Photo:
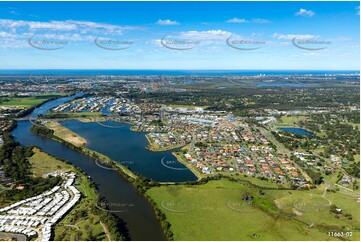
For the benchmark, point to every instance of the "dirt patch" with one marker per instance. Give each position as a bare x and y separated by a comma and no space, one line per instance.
298,213
67,134
278,204
76,140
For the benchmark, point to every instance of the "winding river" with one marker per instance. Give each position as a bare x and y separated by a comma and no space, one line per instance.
139,221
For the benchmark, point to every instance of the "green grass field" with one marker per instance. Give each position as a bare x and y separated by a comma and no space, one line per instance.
43,163
357,158
255,180
215,211
290,121
84,218
81,116
24,102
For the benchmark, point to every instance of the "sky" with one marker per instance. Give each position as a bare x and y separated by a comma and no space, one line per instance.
180,35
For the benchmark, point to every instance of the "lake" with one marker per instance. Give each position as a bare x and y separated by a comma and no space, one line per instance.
297,131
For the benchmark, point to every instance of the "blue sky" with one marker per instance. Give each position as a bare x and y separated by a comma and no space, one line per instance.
180,35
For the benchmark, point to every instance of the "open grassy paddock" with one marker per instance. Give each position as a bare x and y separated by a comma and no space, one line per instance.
290,121
66,134
215,211
43,163
24,102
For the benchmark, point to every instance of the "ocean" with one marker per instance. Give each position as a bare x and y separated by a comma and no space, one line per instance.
93,72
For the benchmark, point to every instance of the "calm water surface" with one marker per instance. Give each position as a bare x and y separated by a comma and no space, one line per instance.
139,222
297,131
128,147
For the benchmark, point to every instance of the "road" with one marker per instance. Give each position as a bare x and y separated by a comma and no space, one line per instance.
281,149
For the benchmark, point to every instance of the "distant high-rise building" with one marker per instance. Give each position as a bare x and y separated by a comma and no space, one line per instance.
161,113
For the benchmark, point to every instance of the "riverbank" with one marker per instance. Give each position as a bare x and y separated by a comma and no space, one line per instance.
104,159
84,221
101,158
141,184
180,158
167,197
81,116
138,222
66,134
155,148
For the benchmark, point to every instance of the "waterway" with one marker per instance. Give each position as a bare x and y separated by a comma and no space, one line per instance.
128,148
297,131
139,221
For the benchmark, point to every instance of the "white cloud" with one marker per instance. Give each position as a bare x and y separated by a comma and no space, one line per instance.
167,22
236,20
305,12
260,20
7,35
206,35
292,36
67,25
14,33
209,39
242,20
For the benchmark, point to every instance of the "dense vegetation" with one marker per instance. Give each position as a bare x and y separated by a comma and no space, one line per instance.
15,164
339,136
295,141
244,100
42,131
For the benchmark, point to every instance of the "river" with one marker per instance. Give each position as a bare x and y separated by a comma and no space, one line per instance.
139,221
128,147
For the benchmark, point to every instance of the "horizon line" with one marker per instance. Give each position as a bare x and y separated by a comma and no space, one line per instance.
182,69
